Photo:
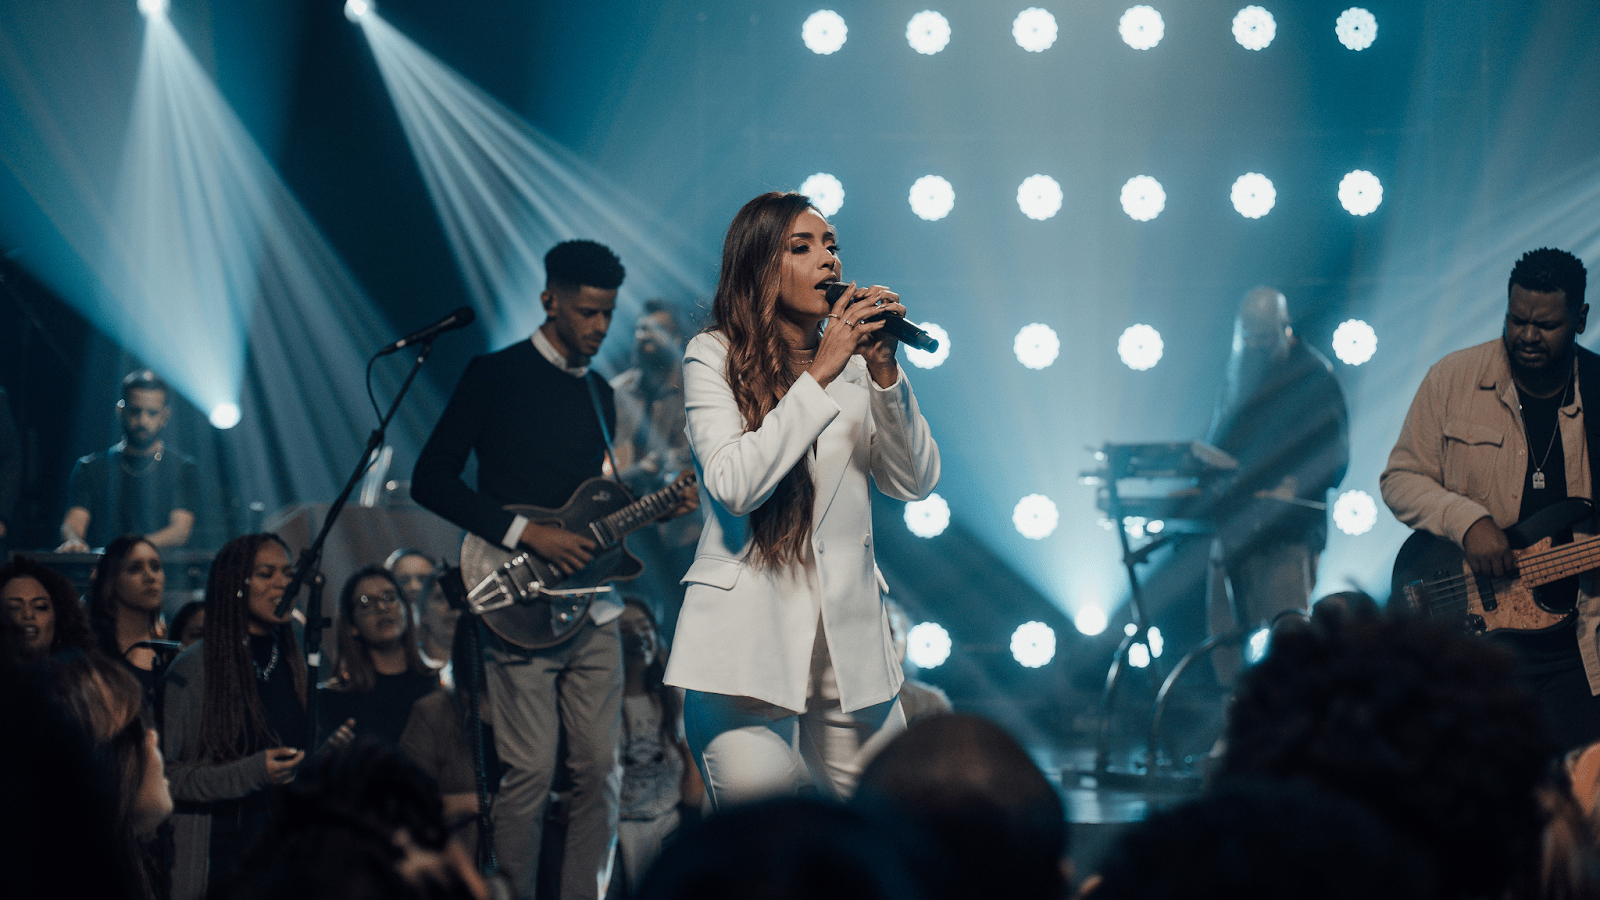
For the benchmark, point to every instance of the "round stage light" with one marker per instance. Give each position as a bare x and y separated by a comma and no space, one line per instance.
1090,620
1155,640
932,198
1140,347
922,359
1141,27
1138,655
1155,526
928,645
1360,192
1254,28
1253,195
1355,512
1356,28
1033,644
1256,646
1034,29
825,191
824,32
1354,342
1035,516
224,415
928,518
928,32
1134,526
1036,346
1130,629
1039,197
1142,198
153,9
355,9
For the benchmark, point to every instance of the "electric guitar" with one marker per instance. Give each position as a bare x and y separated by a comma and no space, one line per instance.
525,600
1431,575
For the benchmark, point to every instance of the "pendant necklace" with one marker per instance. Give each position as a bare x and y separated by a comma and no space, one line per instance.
1538,470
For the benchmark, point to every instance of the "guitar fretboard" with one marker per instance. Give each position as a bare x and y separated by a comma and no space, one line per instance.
641,512
1557,563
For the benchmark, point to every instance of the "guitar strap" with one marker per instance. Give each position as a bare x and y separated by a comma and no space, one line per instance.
605,430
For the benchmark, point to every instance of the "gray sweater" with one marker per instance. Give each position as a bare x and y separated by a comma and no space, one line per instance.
194,778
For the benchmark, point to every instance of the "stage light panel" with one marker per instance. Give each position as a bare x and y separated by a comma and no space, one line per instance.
224,416
1090,620
824,32
1035,517
1155,640
1143,198
928,645
1356,28
1033,644
1354,342
1138,656
922,359
1036,346
932,198
928,517
1254,28
1360,192
1253,195
1140,347
825,191
1141,27
1039,197
1034,29
1355,512
928,32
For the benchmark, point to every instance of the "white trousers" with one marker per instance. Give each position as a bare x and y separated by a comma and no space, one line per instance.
748,749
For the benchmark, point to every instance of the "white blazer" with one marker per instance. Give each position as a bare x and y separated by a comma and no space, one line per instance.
749,631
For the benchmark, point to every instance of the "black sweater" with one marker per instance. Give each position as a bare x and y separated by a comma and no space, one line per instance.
534,430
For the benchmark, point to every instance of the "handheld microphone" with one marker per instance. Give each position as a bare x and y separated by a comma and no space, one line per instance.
461,318
902,330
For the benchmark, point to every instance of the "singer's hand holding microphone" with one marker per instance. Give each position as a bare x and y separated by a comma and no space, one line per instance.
866,321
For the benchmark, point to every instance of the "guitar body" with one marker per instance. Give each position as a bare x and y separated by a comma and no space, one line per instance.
523,600
1431,575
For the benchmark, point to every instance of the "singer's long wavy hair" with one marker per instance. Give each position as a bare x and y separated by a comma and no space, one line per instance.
760,364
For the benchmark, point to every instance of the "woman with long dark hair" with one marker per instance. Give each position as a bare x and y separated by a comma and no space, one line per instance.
125,594
795,408
42,614
379,672
235,713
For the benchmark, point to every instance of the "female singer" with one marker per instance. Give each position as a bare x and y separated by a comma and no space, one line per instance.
792,405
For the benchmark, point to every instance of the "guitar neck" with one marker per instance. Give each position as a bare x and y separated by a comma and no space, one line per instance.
1560,562
641,512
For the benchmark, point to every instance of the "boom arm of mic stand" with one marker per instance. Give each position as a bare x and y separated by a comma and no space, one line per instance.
311,558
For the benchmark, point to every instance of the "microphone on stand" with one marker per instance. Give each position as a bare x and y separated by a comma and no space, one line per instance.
461,318
902,330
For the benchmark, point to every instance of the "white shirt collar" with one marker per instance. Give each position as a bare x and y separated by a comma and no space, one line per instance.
548,351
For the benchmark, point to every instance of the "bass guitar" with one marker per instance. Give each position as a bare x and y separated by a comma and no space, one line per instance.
528,602
1431,575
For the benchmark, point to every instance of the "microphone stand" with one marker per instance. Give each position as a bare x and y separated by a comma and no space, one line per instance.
308,567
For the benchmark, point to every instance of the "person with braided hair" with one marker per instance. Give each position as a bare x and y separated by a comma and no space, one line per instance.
235,711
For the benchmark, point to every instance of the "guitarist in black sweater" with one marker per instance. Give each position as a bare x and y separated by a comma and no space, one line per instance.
1499,432
528,413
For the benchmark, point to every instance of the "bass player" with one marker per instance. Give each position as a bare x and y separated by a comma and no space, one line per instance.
1498,432
532,414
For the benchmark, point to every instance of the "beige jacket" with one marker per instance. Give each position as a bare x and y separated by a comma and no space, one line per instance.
1463,453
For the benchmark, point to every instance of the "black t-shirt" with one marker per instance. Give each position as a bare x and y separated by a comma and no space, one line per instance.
1557,649
380,713
132,494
